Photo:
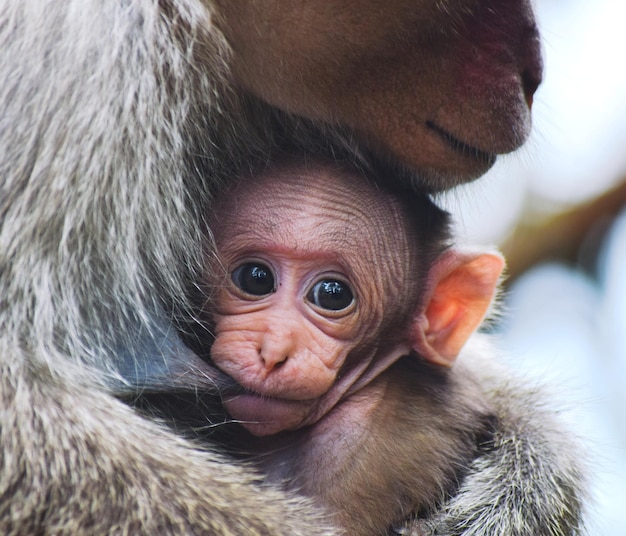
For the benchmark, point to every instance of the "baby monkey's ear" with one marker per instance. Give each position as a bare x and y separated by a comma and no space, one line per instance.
460,288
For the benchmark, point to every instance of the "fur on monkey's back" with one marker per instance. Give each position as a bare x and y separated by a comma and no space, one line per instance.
529,480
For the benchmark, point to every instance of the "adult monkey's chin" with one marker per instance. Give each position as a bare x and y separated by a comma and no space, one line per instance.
442,95
435,160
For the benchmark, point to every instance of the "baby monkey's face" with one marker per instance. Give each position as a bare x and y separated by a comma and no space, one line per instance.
307,278
319,293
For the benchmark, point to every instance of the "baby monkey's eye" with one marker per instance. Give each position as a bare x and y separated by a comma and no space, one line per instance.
254,278
331,294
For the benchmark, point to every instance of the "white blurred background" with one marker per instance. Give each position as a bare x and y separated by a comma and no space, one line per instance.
565,319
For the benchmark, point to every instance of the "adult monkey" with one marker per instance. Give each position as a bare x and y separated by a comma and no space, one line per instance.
116,119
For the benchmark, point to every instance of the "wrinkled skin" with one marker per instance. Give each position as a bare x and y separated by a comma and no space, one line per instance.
299,352
287,352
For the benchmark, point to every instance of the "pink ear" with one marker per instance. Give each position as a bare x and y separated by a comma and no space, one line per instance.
460,291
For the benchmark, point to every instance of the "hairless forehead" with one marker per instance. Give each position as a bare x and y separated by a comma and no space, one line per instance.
337,202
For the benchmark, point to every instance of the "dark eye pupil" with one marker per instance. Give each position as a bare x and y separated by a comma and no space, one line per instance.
331,294
254,278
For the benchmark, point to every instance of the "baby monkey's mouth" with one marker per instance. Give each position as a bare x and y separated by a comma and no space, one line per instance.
458,146
230,389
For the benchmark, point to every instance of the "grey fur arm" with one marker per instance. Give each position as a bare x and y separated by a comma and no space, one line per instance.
529,481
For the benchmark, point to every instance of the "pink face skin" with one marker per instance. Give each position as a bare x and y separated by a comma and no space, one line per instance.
297,245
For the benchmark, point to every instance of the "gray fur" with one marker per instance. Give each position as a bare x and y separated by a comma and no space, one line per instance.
95,122
110,123
529,481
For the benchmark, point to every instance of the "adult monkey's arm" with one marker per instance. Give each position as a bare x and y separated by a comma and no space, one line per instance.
529,478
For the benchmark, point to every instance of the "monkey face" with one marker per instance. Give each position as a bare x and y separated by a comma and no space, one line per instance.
307,289
441,94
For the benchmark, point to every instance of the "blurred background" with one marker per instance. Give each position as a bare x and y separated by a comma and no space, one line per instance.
557,209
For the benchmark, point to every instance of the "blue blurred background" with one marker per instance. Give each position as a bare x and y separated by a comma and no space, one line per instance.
565,321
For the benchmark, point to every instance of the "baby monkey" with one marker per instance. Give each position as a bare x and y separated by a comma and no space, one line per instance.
339,314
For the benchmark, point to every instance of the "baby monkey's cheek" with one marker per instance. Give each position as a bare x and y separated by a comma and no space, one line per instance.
234,355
